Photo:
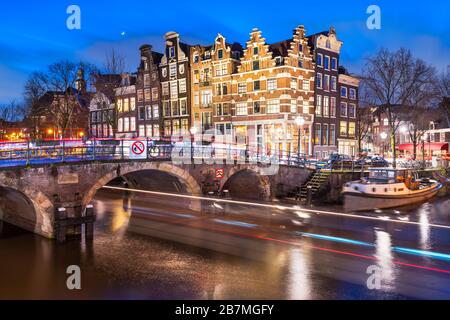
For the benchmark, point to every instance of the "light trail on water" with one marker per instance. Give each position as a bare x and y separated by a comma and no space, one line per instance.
279,207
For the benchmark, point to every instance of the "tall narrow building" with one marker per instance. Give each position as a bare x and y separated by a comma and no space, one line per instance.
326,49
175,86
225,61
272,90
148,91
201,87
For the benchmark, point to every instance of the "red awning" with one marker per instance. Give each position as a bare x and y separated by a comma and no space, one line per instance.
433,146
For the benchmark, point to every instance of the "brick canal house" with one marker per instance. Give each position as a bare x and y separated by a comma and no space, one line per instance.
348,91
102,108
126,107
148,91
334,130
175,86
212,70
272,87
289,96
201,87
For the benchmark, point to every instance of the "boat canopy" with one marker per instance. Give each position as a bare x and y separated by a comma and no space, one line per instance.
390,175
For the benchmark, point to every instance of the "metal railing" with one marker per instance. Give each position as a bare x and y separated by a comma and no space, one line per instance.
69,151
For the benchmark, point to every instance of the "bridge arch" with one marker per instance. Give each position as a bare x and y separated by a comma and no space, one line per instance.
248,180
191,184
27,208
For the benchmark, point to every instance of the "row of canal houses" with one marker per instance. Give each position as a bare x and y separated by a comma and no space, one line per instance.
289,96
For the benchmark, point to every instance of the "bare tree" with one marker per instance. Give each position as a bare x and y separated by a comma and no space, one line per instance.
107,83
396,79
416,126
444,91
364,120
59,84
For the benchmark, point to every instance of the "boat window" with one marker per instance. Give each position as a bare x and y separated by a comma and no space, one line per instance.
374,189
385,190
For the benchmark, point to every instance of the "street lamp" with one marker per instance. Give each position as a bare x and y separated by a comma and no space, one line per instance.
383,136
300,121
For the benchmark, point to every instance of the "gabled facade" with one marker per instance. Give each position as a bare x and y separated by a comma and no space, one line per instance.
201,87
272,88
148,94
175,86
225,61
334,128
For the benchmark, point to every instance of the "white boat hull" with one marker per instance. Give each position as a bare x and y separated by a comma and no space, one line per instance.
357,201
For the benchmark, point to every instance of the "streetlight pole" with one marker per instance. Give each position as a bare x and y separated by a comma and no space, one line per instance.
300,121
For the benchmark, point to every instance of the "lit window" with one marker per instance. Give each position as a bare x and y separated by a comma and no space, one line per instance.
343,128
351,129
271,84
182,85
155,93
273,106
319,105
242,87
241,109
173,70
343,109
305,85
293,84
155,111
147,95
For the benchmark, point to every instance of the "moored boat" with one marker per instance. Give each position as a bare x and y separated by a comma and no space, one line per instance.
388,188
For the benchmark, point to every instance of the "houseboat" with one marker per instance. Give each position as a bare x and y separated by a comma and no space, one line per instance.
388,188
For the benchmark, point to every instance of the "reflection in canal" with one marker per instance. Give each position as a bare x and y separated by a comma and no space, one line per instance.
120,264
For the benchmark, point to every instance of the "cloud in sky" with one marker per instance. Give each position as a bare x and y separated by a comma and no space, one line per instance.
34,35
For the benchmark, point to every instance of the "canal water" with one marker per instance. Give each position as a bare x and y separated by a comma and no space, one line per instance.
120,264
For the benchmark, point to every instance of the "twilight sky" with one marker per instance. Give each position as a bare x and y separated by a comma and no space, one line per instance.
33,33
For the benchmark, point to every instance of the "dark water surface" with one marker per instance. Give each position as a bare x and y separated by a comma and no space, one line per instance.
120,264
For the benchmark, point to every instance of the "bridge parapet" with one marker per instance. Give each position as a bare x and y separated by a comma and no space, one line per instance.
73,185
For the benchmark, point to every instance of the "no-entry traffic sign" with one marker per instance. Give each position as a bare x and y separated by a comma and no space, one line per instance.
138,150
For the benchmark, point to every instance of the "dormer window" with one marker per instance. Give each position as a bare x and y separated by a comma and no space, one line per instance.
278,61
220,54
256,65
328,44
171,52
207,55
196,58
300,48
255,51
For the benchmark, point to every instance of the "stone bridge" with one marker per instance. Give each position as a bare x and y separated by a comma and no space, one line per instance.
31,196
